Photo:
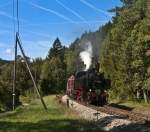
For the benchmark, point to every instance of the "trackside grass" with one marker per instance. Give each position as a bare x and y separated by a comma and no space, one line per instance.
33,118
139,107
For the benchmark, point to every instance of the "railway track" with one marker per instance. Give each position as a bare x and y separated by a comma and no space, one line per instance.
109,117
133,116
122,113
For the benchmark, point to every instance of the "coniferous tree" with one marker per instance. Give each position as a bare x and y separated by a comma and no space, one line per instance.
54,70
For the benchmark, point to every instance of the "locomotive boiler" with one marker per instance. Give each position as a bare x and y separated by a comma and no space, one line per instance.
89,87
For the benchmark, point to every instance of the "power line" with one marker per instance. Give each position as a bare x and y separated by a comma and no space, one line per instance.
14,26
18,15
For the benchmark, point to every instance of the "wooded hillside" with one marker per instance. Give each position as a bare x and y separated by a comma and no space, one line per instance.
125,58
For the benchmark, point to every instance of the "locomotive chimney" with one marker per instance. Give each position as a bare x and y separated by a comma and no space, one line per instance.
95,64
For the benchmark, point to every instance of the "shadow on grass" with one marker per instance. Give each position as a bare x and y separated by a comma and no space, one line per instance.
117,105
134,127
50,126
107,120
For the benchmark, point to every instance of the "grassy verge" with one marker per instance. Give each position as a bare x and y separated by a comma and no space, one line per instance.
56,119
139,107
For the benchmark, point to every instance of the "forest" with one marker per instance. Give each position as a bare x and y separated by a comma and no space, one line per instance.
122,47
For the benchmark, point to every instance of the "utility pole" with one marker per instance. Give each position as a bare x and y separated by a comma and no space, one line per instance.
14,76
18,41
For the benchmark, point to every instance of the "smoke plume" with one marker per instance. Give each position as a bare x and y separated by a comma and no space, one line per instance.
86,55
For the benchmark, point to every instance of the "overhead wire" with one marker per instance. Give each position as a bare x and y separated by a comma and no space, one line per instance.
18,22
14,25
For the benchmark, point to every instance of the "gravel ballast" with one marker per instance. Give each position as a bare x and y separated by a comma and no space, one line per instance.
103,120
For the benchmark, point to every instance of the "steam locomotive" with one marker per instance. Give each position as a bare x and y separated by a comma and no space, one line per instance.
89,87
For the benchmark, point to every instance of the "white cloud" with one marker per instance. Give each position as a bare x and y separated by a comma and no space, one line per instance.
44,44
2,13
5,45
5,14
95,8
38,44
36,33
37,48
52,11
9,51
72,11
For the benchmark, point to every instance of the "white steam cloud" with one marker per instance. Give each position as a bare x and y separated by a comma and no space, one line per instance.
86,55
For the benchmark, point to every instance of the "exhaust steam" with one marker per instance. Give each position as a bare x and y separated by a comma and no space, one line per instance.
86,55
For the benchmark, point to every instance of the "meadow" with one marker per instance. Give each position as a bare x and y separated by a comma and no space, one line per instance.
58,118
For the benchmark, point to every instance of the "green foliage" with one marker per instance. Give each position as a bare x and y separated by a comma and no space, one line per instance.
23,79
5,96
123,57
23,82
70,62
127,2
57,50
53,76
5,85
36,66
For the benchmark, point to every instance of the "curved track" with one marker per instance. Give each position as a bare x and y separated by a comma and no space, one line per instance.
133,116
126,114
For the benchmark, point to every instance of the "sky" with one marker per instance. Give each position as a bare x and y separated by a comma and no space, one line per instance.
41,21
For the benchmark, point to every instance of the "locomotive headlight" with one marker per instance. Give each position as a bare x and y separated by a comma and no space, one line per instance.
90,90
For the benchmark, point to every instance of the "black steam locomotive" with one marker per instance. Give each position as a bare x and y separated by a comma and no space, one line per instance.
88,86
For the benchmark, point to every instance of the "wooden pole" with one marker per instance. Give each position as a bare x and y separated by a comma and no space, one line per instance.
26,62
14,75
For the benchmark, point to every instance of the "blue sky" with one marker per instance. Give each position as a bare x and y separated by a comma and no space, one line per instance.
41,21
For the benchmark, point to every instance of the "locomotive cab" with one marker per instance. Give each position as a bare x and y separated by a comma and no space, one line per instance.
70,85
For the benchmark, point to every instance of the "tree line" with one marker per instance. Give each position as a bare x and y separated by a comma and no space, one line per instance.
126,51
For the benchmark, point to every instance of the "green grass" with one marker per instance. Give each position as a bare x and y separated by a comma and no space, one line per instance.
33,118
139,107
